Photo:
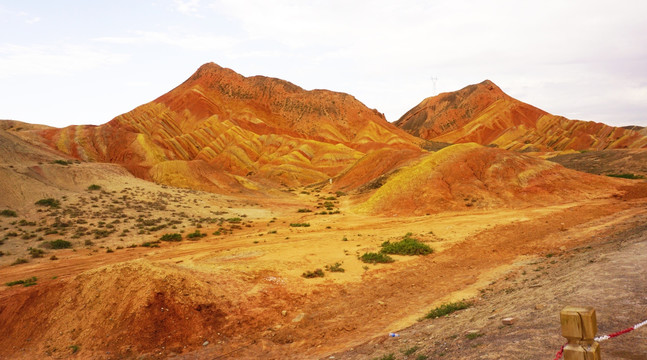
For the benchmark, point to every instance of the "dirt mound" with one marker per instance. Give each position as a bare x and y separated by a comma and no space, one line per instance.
244,126
469,176
484,114
129,309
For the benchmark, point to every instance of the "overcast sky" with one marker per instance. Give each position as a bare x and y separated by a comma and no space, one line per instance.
85,62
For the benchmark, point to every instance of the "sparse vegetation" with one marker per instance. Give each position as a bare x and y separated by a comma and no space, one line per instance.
172,237
473,336
19,261
313,274
8,213
374,258
62,162
36,253
58,244
390,356
94,187
26,282
336,267
446,309
406,246
304,210
410,350
196,235
49,202
300,224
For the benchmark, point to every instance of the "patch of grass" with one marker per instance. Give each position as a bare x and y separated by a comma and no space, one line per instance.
406,246
336,267
58,244
234,220
62,162
8,213
50,202
300,224
390,356
473,336
19,261
171,237
313,274
340,193
196,235
374,258
26,282
150,244
304,210
94,187
423,357
36,253
446,309
626,176
74,348
410,350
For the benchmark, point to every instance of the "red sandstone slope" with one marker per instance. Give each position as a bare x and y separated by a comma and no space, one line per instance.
221,131
484,114
470,176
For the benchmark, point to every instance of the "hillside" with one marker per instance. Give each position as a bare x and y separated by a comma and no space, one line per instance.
470,176
222,132
484,114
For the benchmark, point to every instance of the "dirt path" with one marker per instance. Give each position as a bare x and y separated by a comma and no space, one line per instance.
608,274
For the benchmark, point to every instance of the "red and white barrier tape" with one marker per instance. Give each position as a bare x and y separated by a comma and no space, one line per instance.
611,336
560,353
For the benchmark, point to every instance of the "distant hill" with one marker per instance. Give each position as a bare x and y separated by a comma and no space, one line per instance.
220,131
484,114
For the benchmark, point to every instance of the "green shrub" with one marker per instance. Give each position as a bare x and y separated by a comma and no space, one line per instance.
196,235
150,244
446,309
410,350
62,162
59,244
313,274
406,246
50,202
473,336
26,282
374,258
19,261
336,267
36,253
171,237
300,224
390,356
94,187
304,210
234,220
8,213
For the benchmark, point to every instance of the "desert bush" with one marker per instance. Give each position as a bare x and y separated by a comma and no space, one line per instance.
62,162
446,309
50,202
196,235
8,213
19,261
234,220
171,237
150,244
374,258
473,336
36,253
300,224
26,282
94,187
58,244
406,246
304,210
410,350
336,267
340,193
313,274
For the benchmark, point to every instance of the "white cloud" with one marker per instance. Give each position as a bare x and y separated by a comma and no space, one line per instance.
188,7
36,60
196,42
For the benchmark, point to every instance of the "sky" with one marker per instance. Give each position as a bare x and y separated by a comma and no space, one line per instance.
84,62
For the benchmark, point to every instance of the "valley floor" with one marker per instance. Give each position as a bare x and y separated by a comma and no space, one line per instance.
241,295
